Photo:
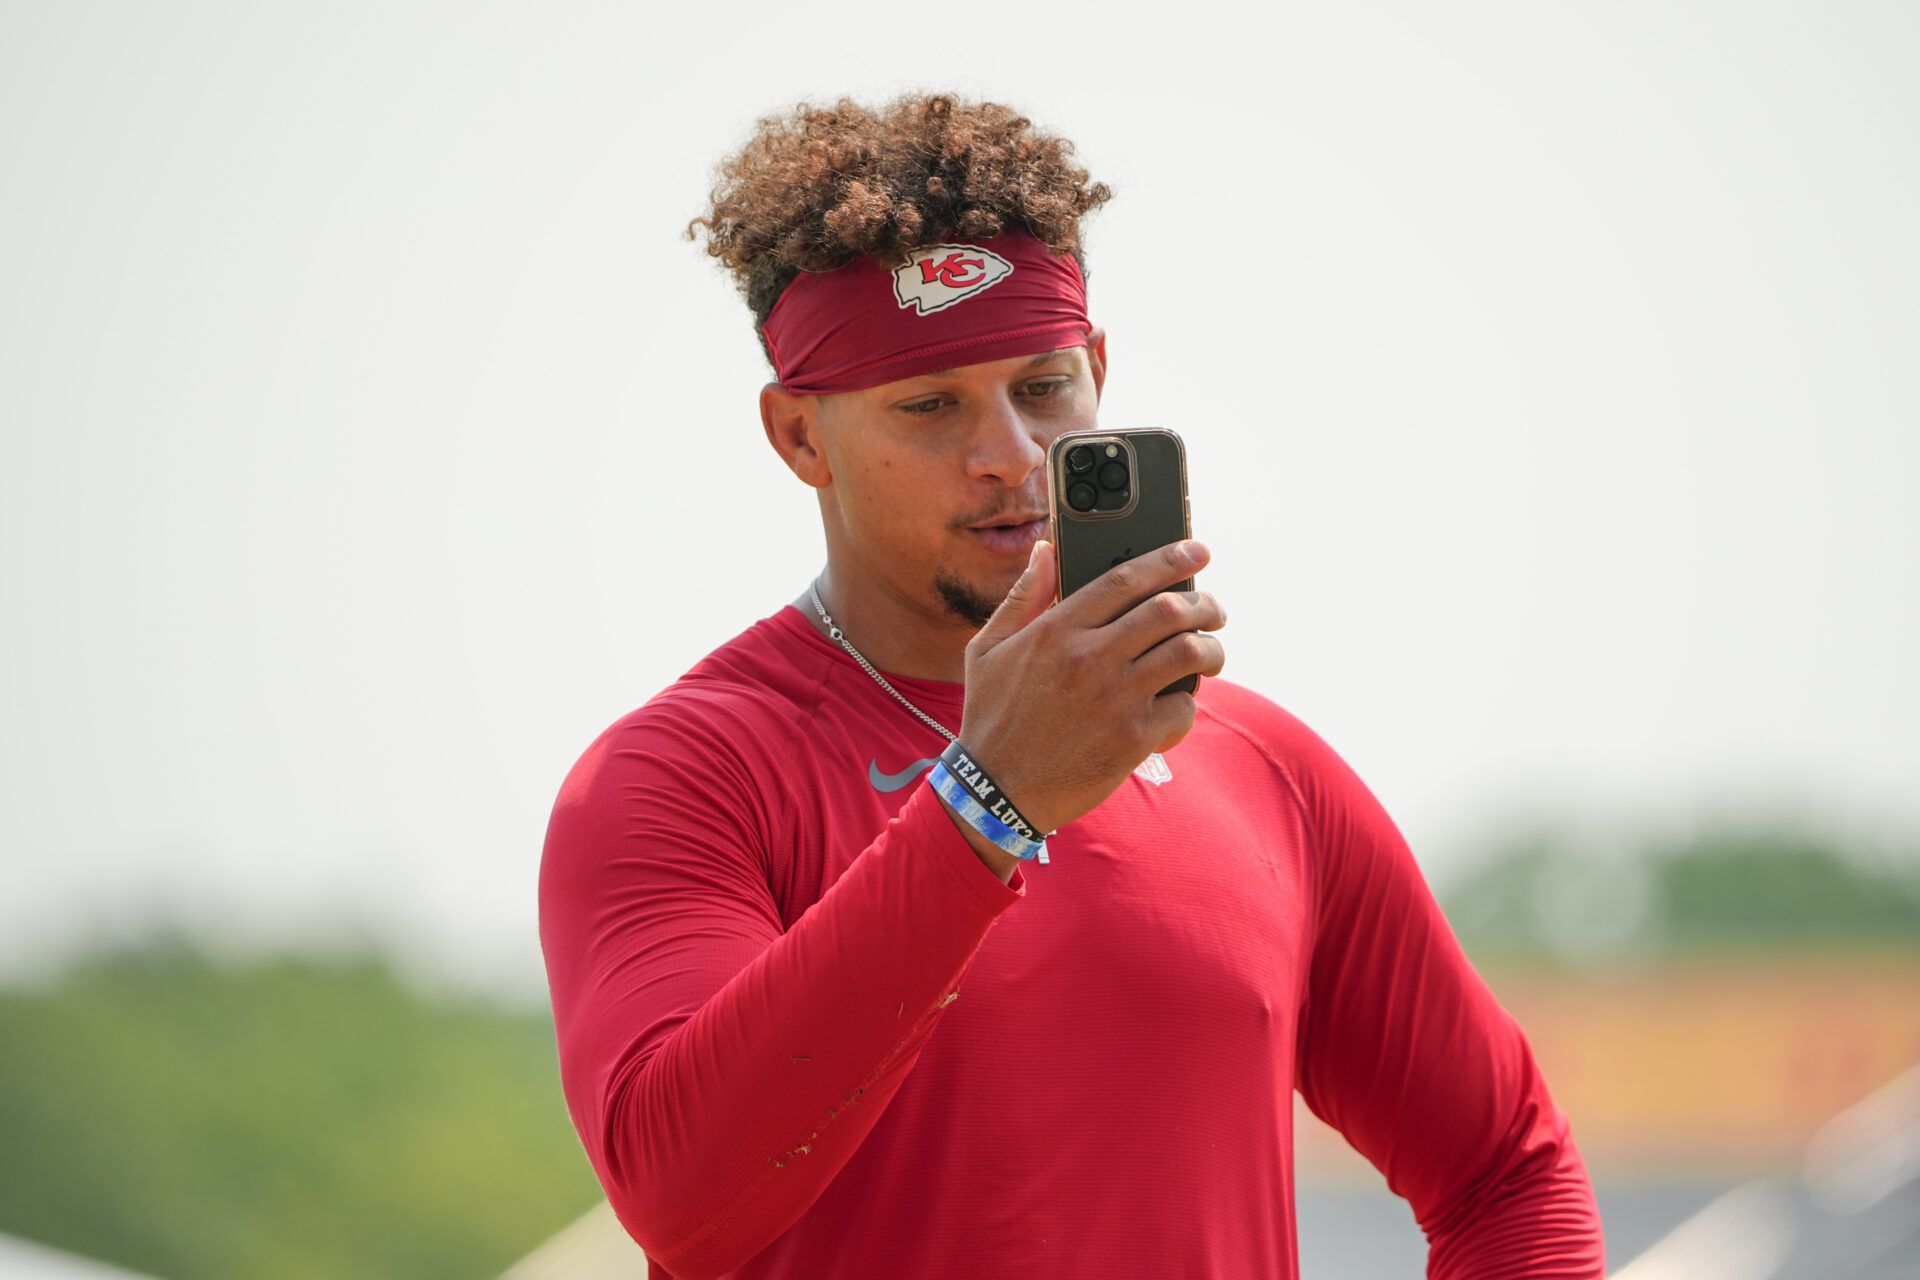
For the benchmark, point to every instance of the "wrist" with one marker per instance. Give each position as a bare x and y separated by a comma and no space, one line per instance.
973,795
986,787
998,860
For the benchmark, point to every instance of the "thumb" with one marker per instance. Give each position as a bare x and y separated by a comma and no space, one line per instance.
1032,595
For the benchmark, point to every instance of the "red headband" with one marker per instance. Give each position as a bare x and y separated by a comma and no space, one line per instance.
947,305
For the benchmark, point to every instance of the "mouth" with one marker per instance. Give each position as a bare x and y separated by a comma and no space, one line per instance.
1012,536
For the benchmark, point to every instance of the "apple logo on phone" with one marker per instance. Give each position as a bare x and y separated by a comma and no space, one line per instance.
1126,554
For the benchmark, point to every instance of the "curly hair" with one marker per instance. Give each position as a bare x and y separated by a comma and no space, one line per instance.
816,187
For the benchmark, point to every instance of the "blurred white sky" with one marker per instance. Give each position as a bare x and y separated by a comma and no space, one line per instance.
372,440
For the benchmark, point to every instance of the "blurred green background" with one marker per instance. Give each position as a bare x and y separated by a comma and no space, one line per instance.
285,1116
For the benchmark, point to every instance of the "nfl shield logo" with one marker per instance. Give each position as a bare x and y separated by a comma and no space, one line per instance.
1154,769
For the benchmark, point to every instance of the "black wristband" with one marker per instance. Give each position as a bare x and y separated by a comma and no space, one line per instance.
961,764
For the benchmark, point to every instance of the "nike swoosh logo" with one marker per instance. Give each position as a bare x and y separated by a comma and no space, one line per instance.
895,781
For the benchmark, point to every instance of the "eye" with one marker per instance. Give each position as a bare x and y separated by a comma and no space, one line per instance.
1046,390
930,405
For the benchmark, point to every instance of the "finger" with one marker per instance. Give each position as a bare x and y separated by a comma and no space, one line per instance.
1031,595
1131,581
1170,719
1160,615
1182,654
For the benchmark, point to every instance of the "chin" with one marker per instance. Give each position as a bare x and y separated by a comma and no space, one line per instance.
970,602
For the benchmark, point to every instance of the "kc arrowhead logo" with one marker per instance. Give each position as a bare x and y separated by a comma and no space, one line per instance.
937,277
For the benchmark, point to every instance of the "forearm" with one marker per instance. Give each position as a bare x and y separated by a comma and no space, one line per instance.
730,1128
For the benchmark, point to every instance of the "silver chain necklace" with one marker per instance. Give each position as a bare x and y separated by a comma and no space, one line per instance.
813,589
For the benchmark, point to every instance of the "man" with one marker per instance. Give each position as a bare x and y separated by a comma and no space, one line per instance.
817,1014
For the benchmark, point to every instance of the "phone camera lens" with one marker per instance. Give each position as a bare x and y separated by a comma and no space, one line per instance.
1079,459
1081,496
1113,477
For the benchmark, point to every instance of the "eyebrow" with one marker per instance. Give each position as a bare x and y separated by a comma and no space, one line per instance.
1042,358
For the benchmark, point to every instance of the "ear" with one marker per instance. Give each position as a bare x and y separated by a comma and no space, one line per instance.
792,424
1097,358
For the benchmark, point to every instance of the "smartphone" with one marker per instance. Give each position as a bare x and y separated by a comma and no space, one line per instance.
1114,495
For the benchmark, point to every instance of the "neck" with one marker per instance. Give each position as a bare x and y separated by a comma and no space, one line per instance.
899,636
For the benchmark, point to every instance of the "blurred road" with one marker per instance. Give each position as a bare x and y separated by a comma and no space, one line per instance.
1851,1212
1371,1235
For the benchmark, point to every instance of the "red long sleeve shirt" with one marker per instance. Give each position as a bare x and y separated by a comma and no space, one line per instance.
804,1030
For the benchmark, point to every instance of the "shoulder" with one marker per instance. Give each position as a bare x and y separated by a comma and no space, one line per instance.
730,719
1319,775
1247,711
1261,722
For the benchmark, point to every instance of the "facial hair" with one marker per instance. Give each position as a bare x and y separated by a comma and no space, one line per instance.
964,603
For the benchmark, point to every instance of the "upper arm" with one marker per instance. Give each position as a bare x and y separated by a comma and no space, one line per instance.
654,891
1401,1045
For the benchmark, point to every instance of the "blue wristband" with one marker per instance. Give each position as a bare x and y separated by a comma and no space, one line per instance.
1005,837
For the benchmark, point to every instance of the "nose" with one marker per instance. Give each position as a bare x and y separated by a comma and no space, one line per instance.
1006,446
